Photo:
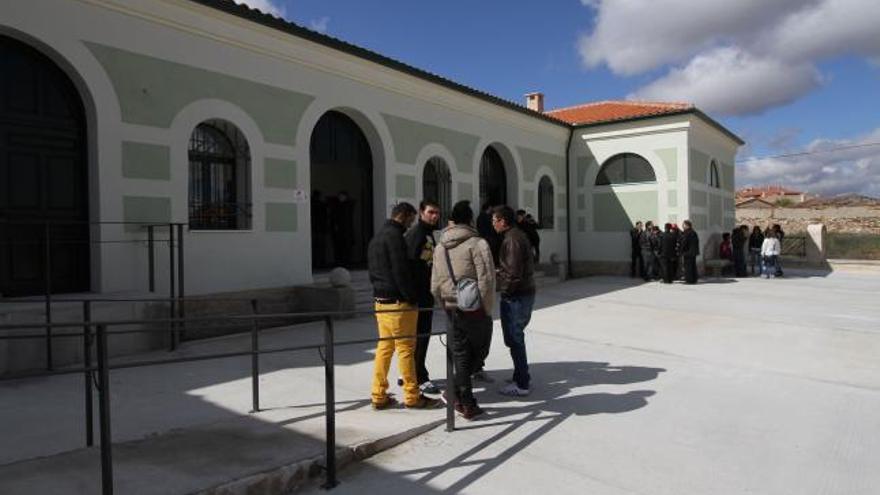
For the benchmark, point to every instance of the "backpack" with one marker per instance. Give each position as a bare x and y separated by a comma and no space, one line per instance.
467,292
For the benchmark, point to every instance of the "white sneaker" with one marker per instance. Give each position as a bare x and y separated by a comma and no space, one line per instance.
512,390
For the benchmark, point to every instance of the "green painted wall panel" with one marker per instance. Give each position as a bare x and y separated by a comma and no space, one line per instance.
281,217
145,209
532,160
409,137
561,201
672,199
582,224
669,157
560,224
153,91
279,173
581,201
528,198
146,161
728,180
699,198
466,191
715,211
405,185
699,167
616,212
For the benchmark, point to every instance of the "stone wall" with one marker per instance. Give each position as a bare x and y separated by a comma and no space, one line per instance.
847,219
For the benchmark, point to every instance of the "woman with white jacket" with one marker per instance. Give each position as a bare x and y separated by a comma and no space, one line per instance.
770,251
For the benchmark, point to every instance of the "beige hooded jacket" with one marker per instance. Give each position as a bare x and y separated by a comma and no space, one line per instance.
471,258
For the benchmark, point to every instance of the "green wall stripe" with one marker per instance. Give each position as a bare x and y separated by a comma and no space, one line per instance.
145,209
405,185
279,173
146,161
528,196
281,217
532,160
152,91
409,137
466,191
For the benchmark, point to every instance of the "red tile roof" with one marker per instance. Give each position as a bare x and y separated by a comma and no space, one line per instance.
762,191
610,111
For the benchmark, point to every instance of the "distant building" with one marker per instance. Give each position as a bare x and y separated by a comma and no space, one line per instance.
770,194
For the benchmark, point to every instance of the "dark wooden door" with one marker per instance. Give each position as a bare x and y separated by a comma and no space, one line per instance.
43,175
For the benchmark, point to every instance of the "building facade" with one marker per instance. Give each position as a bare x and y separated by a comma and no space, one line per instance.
282,150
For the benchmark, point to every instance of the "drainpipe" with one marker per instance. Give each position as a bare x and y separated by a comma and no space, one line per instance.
568,270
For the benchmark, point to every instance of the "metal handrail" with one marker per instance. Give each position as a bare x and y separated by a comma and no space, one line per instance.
103,368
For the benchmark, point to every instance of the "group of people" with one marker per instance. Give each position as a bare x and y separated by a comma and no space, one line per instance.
461,270
657,254
760,249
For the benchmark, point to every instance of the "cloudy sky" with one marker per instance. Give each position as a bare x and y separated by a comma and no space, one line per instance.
799,80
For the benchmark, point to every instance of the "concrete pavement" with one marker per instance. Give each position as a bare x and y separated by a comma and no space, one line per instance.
742,386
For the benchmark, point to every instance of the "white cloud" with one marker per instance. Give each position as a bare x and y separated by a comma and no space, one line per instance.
747,37
319,25
733,82
266,6
854,169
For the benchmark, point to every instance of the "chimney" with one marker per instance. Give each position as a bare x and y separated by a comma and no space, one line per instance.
535,101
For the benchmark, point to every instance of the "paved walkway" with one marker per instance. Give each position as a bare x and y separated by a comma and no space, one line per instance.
747,386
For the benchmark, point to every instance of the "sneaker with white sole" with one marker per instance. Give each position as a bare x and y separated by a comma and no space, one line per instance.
512,390
429,388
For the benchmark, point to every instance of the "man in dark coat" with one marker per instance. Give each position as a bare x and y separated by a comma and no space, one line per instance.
738,240
516,282
420,250
484,227
636,265
690,249
530,228
645,245
669,253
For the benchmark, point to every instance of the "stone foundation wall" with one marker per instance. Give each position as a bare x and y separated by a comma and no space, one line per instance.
849,219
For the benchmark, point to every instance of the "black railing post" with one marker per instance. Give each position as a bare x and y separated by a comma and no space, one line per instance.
47,282
171,286
329,407
151,257
87,364
104,413
255,360
450,375
180,294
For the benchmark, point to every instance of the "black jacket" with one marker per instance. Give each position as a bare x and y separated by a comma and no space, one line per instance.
756,240
516,266
669,245
690,244
420,251
634,240
390,270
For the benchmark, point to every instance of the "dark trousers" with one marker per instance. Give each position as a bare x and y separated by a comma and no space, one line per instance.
690,269
670,269
739,263
469,336
648,273
423,329
636,263
516,312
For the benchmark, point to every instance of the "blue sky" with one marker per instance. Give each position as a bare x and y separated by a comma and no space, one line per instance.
787,75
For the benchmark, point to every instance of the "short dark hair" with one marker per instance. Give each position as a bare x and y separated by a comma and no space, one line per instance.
725,235
505,213
687,223
403,208
428,202
521,212
462,213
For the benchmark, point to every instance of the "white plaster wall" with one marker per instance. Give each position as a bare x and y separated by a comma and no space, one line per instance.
603,142
191,34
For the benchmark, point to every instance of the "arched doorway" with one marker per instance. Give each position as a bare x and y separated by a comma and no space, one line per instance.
342,192
493,179
437,185
43,176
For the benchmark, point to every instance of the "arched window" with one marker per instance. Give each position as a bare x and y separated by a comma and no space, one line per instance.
714,177
545,203
625,168
493,179
437,185
219,177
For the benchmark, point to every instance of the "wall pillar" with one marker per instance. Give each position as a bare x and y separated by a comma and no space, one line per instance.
815,240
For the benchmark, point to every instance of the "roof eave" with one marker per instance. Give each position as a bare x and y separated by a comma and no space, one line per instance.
695,111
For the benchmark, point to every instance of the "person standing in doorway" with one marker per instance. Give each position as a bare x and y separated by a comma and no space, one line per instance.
463,255
396,310
637,264
690,249
516,282
420,250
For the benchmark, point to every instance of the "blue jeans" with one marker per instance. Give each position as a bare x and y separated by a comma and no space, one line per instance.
516,311
769,266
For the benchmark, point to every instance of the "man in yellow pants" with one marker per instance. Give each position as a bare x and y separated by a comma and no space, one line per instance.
395,293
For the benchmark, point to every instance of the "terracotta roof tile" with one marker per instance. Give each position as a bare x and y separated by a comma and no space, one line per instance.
610,111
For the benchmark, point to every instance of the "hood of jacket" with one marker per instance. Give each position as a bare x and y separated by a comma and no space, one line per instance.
454,235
